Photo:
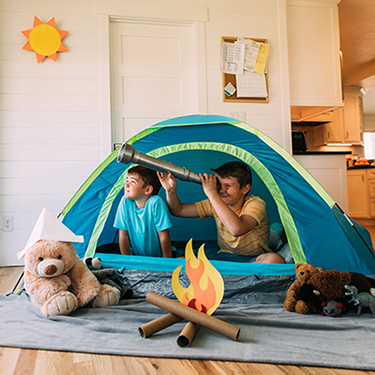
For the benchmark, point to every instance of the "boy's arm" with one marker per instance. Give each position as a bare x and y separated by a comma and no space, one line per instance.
176,208
165,242
236,225
124,242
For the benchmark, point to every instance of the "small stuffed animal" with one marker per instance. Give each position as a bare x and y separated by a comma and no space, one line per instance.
108,276
363,299
332,308
58,282
303,273
331,285
309,297
92,263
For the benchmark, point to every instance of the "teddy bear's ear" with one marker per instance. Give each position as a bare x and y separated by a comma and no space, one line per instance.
320,269
298,265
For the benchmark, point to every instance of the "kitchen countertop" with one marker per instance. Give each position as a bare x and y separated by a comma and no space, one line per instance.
362,166
321,153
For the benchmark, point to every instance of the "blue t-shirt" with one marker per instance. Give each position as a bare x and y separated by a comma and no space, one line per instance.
143,224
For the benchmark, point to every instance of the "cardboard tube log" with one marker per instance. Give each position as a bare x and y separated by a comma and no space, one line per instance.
193,315
158,324
187,335
128,154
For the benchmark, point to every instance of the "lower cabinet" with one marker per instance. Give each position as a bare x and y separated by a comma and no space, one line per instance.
371,191
361,193
329,169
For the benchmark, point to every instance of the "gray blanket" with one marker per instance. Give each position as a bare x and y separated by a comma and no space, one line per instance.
269,334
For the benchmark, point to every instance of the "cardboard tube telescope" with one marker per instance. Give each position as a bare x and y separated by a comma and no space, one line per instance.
128,154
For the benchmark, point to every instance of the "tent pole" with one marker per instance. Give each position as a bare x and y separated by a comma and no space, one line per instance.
353,226
18,281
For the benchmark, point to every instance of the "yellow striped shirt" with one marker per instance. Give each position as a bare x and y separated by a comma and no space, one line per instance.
252,243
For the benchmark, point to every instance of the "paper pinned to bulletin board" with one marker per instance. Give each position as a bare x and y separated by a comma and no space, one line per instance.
248,78
251,85
256,54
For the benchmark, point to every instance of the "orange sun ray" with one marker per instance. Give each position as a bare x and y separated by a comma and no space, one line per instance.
28,47
26,33
44,39
53,56
51,22
37,21
39,57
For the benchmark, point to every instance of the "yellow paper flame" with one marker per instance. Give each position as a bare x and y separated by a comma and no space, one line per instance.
207,286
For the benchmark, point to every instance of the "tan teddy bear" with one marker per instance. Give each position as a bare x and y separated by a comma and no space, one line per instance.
58,282
303,273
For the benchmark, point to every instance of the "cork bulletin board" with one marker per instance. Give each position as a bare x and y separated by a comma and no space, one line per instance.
253,87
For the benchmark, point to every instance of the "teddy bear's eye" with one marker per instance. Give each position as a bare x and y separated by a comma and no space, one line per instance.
41,259
59,256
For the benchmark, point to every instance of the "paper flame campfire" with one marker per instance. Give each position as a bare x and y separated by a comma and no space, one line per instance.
206,290
197,302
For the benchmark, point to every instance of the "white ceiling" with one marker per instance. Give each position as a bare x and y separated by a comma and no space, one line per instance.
357,38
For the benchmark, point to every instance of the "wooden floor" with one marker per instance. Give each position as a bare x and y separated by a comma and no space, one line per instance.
41,362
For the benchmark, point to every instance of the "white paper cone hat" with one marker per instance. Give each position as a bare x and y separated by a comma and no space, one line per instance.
48,227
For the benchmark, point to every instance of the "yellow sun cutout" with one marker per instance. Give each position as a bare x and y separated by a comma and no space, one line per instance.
45,39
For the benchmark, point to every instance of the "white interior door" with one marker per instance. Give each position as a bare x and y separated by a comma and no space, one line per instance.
153,75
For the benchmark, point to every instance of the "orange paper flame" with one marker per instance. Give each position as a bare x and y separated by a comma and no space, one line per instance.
206,290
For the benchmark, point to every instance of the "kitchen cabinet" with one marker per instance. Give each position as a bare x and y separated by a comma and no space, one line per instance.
353,117
346,124
333,132
329,169
361,193
314,56
371,191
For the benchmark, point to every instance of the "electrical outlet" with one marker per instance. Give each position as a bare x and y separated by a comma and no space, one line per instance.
7,223
238,115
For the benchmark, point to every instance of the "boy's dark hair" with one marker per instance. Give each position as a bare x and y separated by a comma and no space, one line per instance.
148,176
237,169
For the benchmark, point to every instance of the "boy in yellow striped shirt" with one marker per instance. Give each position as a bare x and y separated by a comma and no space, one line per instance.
242,221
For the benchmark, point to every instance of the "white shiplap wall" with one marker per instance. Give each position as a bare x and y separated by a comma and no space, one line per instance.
50,120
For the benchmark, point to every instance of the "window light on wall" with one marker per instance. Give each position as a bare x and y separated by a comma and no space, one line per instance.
369,144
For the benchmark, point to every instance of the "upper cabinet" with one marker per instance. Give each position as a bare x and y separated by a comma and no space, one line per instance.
333,131
314,57
346,124
353,116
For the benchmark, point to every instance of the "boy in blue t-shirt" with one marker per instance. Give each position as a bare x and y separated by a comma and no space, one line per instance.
142,216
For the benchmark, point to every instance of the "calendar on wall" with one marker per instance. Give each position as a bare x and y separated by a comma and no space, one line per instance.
251,85
244,69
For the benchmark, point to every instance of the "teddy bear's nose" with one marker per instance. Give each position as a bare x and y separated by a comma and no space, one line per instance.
50,267
50,270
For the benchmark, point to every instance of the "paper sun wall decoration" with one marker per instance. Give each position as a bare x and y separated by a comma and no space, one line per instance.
45,39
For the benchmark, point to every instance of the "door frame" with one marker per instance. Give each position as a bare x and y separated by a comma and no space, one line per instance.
130,11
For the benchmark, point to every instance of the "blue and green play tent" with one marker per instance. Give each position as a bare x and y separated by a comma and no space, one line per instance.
318,231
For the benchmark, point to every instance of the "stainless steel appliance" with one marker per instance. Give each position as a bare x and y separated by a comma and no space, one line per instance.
298,142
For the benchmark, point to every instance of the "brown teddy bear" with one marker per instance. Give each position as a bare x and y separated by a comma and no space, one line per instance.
330,285
58,282
303,273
